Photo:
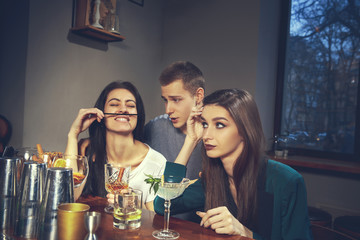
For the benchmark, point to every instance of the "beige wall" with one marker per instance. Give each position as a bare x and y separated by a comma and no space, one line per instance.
66,72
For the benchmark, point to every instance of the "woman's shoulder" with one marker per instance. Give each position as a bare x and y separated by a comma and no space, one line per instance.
283,175
155,156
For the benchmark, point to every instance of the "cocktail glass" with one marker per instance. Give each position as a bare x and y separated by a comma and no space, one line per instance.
170,187
116,179
79,165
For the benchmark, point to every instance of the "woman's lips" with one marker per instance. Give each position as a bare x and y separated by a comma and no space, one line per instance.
209,147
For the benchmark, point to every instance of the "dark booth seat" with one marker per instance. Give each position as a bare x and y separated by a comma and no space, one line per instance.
349,225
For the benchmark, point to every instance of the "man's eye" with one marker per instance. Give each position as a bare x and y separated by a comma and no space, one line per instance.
205,125
220,125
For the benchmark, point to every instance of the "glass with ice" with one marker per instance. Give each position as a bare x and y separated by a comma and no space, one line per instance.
127,209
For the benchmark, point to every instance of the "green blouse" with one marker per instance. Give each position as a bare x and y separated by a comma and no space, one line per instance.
282,207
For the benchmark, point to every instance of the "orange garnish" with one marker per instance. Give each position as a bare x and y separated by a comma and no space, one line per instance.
60,162
78,177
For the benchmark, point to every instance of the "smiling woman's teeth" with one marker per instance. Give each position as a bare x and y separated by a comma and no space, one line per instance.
121,119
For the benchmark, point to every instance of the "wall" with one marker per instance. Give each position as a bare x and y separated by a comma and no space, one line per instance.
221,37
13,49
66,72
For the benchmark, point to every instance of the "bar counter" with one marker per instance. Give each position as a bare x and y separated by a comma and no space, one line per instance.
150,222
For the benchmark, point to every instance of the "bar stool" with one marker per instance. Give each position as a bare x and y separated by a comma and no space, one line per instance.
324,233
319,217
349,225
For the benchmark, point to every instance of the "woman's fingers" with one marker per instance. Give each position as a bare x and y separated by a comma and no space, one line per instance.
208,217
222,221
91,113
110,198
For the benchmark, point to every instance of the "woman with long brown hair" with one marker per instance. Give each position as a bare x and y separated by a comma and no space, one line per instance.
240,192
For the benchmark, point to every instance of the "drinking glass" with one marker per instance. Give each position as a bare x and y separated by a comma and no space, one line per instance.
116,179
170,187
128,209
79,165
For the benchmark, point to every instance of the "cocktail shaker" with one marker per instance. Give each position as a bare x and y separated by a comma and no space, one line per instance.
58,189
29,199
9,173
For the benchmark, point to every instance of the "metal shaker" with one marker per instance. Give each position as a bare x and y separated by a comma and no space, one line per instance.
29,199
9,176
58,189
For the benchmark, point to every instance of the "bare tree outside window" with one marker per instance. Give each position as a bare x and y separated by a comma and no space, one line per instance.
320,87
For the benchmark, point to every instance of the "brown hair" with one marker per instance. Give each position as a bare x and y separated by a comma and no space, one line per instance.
242,108
190,74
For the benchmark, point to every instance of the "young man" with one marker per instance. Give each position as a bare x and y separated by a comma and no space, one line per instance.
182,87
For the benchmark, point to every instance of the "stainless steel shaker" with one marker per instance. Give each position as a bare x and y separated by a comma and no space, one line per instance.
58,189
32,183
9,177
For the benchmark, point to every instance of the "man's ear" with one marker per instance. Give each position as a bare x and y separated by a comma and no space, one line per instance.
199,95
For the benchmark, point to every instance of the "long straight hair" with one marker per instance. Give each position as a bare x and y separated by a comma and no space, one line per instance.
97,131
242,108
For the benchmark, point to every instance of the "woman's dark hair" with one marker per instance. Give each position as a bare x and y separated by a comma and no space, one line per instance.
242,108
97,131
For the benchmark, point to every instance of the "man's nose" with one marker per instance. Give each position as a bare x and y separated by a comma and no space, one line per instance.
168,108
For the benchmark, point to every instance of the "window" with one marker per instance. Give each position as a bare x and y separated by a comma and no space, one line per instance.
318,105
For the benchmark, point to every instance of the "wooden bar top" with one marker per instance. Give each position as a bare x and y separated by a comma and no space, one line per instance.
150,222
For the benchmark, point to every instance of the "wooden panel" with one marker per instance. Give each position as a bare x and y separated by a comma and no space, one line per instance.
322,164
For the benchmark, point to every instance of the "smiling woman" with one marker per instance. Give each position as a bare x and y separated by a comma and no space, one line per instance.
116,130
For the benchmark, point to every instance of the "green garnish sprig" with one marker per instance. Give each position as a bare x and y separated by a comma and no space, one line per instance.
154,182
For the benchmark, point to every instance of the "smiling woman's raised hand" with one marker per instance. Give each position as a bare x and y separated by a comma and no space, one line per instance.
82,122
84,119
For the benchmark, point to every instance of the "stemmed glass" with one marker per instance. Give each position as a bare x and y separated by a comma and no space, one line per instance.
116,179
78,163
170,187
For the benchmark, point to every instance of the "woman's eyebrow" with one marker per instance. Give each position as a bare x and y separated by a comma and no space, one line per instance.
219,118
116,99
130,100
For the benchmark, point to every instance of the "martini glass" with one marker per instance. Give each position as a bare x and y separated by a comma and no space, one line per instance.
170,187
116,179
79,165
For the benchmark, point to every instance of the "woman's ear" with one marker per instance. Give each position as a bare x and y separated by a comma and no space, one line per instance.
199,95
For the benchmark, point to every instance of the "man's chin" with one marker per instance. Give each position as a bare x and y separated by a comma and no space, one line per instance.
181,127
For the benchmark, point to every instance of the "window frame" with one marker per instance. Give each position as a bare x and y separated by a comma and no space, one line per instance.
285,14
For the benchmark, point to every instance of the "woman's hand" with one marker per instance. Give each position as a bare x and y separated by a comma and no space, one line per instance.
110,198
84,119
223,222
194,126
82,122
194,132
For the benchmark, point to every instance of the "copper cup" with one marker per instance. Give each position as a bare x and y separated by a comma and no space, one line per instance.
71,221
